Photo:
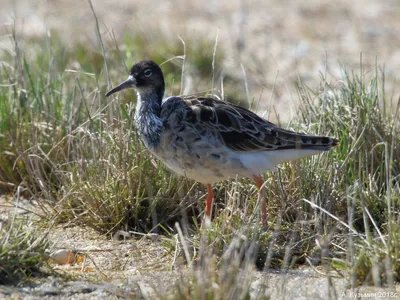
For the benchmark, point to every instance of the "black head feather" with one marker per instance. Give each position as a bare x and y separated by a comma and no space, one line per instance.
148,75
146,78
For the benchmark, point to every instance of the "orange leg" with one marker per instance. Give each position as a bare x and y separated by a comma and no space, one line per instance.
261,195
209,200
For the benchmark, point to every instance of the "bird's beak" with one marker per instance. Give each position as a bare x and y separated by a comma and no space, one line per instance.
129,83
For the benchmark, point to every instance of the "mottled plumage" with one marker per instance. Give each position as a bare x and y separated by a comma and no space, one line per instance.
210,140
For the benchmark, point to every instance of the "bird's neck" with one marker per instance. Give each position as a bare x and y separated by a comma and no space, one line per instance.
147,117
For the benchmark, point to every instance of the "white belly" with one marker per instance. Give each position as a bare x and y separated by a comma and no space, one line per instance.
199,174
207,169
260,162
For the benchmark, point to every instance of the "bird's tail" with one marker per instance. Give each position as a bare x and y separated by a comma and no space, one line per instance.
312,142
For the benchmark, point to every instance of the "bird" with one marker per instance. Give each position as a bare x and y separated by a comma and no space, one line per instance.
210,140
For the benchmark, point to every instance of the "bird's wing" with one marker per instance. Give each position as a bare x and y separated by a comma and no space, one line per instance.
239,128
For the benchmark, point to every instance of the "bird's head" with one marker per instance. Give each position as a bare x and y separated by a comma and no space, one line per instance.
145,77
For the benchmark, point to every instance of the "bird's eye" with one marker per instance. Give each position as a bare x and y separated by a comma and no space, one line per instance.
147,73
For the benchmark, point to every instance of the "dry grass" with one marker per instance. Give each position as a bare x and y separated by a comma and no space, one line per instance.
22,250
64,145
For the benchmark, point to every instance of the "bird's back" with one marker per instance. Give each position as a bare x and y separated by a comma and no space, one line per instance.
209,140
240,129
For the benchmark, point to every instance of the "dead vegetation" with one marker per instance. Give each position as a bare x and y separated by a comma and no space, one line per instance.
78,156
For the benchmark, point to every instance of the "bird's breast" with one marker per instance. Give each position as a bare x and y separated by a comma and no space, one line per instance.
197,158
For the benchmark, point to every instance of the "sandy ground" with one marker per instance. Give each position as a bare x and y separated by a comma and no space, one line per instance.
273,42
116,269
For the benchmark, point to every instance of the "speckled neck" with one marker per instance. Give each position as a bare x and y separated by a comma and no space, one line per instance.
147,117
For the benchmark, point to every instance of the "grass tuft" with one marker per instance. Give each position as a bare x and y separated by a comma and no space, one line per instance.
22,251
63,143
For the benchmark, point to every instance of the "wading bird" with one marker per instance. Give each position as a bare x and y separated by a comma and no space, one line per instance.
209,140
